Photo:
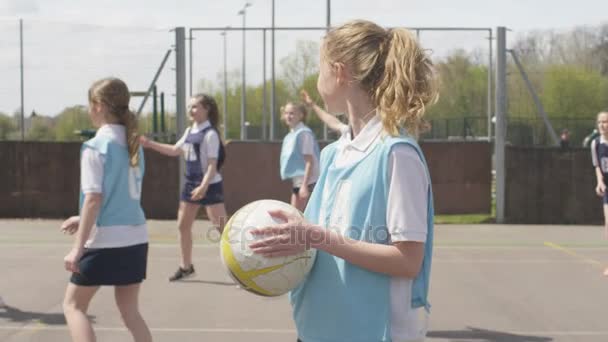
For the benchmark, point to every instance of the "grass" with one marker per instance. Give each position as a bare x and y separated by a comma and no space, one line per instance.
471,218
464,219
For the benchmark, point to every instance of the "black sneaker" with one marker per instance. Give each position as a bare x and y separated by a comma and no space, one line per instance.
182,273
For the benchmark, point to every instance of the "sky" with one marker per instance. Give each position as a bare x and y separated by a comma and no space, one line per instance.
69,44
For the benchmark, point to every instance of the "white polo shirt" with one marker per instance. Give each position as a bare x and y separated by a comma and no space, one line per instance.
406,216
307,147
209,147
91,181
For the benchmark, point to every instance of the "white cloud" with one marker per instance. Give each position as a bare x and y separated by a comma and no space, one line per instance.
19,7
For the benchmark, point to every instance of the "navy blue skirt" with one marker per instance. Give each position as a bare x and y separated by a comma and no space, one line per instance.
112,266
214,195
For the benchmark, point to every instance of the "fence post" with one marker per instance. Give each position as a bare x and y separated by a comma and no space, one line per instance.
501,122
180,90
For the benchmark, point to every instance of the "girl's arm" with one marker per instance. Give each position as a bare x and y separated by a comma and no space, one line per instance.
600,188
166,149
331,121
402,259
307,142
599,176
88,216
200,191
304,193
91,180
307,169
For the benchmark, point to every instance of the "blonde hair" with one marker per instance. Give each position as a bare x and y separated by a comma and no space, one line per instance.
391,66
300,107
114,94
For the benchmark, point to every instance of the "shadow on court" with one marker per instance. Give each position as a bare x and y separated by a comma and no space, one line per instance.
477,334
210,282
13,314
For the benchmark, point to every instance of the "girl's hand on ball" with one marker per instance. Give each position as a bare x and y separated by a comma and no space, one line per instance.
289,238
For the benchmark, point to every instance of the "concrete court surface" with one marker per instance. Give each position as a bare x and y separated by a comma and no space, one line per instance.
489,283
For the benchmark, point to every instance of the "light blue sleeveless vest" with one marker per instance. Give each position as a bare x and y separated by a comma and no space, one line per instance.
292,161
121,184
340,301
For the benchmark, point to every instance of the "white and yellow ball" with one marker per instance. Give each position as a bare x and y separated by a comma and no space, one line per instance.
255,273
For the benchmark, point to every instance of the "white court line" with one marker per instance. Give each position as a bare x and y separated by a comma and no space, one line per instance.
156,244
505,261
54,257
43,327
537,247
435,259
62,244
163,245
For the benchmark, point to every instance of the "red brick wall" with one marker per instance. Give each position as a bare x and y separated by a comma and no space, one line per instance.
42,179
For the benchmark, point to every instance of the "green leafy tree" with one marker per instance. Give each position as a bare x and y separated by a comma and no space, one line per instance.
7,127
299,65
462,105
570,91
40,128
72,119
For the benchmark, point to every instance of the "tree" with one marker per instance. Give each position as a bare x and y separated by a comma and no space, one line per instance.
600,50
298,66
69,120
7,126
571,91
463,87
462,105
298,69
40,128
254,108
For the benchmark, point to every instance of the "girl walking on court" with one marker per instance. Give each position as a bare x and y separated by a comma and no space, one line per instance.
111,245
204,154
299,155
371,214
599,157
